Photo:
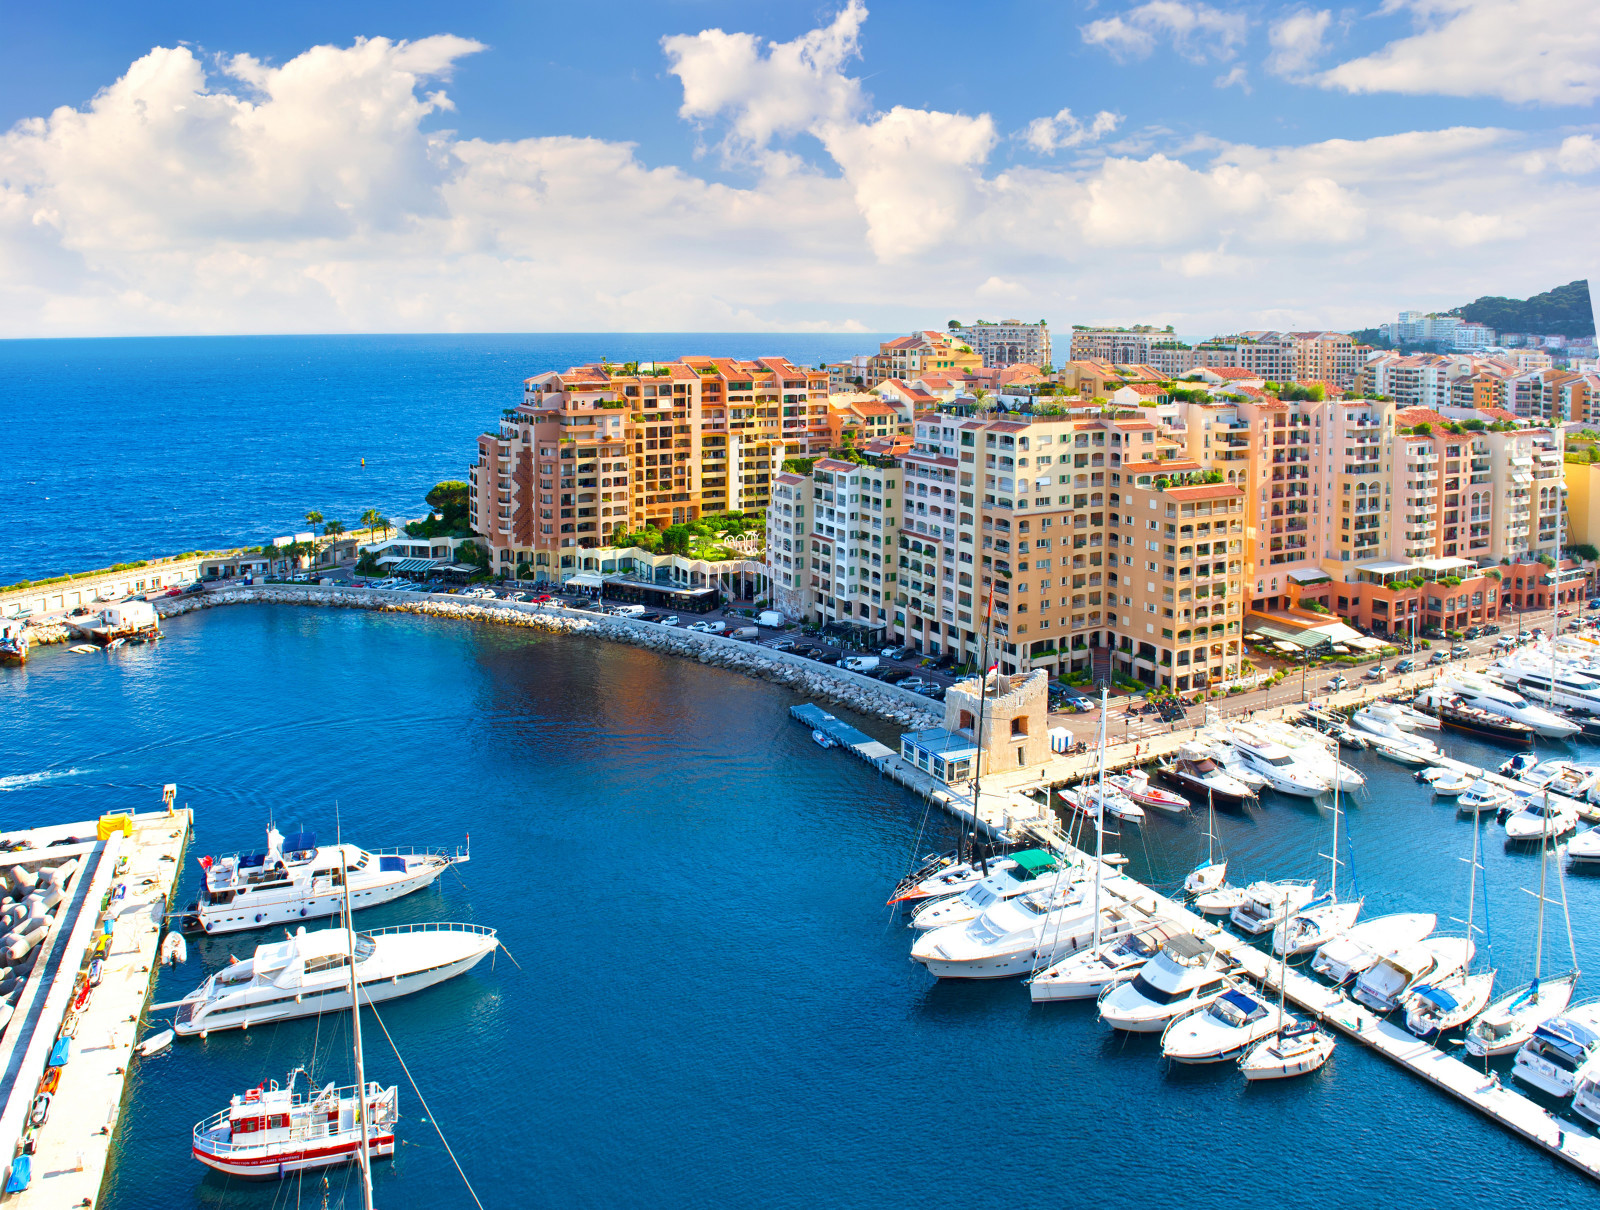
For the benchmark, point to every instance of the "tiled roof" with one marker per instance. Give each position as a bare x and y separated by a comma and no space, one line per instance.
1206,491
1232,374
1416,416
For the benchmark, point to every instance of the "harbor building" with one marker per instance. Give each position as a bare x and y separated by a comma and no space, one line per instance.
601,449
1007,343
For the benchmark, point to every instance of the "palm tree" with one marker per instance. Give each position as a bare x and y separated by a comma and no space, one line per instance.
374,520
332,530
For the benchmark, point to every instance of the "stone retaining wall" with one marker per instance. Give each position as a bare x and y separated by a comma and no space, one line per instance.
848,689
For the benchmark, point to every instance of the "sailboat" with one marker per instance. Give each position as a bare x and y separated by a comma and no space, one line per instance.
1211,874
1508,1023
1431,1008
1294,1047
1325,917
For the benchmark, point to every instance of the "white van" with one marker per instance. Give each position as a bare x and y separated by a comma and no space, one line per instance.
630,611
859,663
771,619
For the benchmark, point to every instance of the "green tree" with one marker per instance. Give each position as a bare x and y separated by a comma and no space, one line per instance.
452,501
375,521
332,530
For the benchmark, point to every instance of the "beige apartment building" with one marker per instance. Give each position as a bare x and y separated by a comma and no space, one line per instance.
1331,357
1007,343
1141,344
599,449
910,357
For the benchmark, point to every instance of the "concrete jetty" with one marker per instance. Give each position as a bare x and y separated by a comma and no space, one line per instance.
125,882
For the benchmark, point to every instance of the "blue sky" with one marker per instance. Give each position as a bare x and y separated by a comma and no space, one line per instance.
714,165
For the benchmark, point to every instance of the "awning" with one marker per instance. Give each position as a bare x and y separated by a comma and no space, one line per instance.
412,564
586,579
1309,575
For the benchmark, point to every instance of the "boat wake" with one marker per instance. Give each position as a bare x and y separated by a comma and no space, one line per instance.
19,780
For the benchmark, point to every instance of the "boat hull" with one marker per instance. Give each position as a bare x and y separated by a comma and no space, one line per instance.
331,1000
276,1165
217,920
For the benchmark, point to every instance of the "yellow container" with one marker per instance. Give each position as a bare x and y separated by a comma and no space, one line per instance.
115,823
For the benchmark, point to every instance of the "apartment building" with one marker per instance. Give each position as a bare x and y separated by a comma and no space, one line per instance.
1142,344
1331,357
1007,343
599,448
866,416
1271,355
1580,398
909,357
1543,394
851,375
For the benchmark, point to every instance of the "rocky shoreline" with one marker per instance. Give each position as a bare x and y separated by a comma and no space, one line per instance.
815,680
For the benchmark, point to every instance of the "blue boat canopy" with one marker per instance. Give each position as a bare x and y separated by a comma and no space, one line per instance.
1568,1036
21,1174
1439,997
61,1053
1240,1001
299,842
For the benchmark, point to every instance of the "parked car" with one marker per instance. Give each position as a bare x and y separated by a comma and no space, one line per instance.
1460,651
1375,673
670,620
698,627
1505,643
828,657
1338,683
1432,632
748,633
1594,604
1406,665
892,653
1438,657
717,627
1491,628
786,645
894,676
860,663
1474,632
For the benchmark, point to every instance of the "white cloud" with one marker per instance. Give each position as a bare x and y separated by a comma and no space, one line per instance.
1049,135
1526,51
785,91
1296,41
1237,75
1196,31
309,197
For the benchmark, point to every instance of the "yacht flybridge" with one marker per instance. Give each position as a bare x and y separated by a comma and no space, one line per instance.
310,973
295,880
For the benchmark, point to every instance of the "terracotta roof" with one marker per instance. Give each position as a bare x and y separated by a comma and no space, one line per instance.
834,464
1497,414
1206,491
1147,388
1230,373
888,447
1416,416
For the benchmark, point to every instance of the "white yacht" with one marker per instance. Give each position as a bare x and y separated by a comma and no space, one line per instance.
1559,1047
1016,936
1284,771
1224,1029
1584,848
1480,691
1086,974
1358,949
1397,715
1387,982
1029,870
1586,1091
1535,820
1197,768
1510,1021
1564,777
1443,1004
1186,973
1482,795
1092,799
1318,751
945,875
1267,904
1391,740
295,880
310,973
1532,675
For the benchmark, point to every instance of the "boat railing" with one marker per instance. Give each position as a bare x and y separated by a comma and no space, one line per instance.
459,853
382,1101
429,926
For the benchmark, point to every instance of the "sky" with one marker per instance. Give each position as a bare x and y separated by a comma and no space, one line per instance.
178,167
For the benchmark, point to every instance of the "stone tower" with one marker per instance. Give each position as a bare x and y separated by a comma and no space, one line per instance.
1015,719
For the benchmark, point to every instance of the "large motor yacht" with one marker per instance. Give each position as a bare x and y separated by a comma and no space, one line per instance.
1284,770
295,880
1224,1029
310,973
1389,980
1531,675
1089,972
1480,691
1187,973
1196,768
1551,1058
1029,870
270,1131
1013,937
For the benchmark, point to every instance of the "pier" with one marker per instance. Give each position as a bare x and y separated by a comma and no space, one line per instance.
140,856
1007,811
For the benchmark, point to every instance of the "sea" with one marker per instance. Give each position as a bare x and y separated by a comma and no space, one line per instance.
702,999
123,449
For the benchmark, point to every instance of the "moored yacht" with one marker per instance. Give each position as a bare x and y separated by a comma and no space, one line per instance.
1029,870
1284,770
1510,1021
1266,904
1483,693
1559,1047
1186,973
310,973
1196,769
1086,974
1092,800
1387,982
1318,922
945,874
296,880
1224,1029
1135,784
270,1132
1533,676
1012,937
1435,1007
1358,949
1537,820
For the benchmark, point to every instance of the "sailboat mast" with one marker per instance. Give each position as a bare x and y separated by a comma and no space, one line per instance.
1544,861
1333,876
1472,893
1100,825
983,698
355,1026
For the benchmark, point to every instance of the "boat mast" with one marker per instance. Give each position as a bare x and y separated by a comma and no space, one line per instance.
1100,822
1472,894
1544,860
983,698
355,1025
1333,875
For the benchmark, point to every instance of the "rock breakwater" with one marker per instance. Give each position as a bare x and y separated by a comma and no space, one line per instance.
845,689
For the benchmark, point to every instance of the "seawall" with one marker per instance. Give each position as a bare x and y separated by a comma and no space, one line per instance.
848,689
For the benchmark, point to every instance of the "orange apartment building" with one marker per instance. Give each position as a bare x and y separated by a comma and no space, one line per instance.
595,450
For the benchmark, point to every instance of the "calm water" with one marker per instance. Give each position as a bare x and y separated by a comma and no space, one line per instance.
123,449
713,1008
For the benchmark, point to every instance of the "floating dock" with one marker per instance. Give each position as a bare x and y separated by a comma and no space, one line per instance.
141,854
1010,813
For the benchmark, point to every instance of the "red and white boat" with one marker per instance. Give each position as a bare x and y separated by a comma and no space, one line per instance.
269,1132
1135,783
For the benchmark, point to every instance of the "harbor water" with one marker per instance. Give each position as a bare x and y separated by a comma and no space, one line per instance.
712,1005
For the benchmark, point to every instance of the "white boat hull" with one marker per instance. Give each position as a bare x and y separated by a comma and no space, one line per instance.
244,914
274,1166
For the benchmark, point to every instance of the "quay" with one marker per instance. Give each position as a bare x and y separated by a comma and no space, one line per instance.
1007,810
116,910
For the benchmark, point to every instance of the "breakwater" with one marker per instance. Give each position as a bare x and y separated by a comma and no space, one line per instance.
848,689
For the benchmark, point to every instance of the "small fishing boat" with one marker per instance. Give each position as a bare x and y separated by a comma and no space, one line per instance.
269,1132
1433,1008
1482,795
1136,785
1267,904
1445,783
174,949
1091,800
1536,820
155,1044
1296,1048
1221,901
824,740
